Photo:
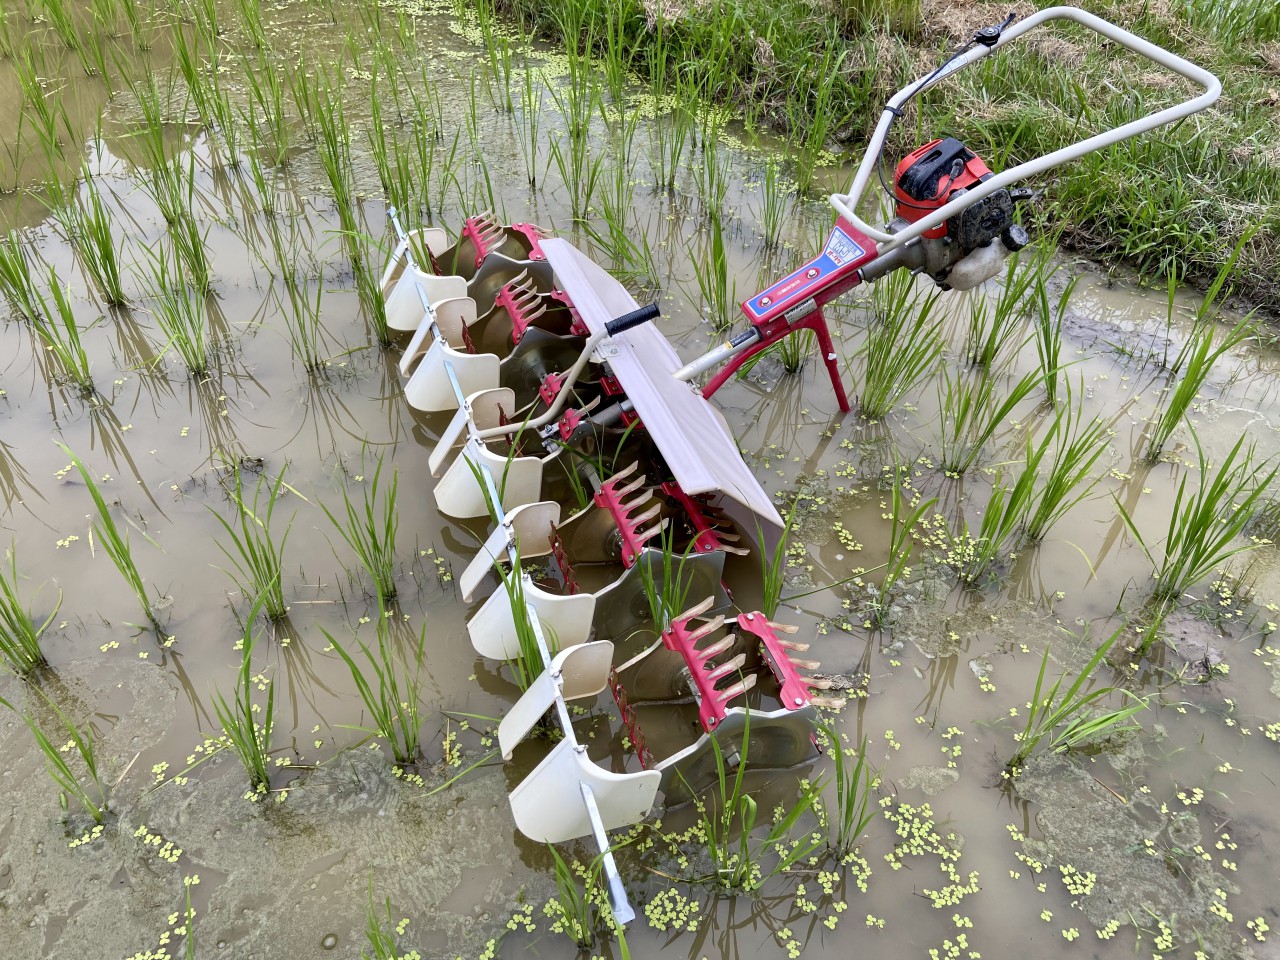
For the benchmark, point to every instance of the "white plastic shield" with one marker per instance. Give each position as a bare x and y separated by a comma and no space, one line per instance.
460,496
581,671
565,618
429,389
548,805
404,303
527,524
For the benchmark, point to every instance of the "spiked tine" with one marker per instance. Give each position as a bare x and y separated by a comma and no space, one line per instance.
698,609
830,703
787,628
805,664
728,667
720,646
813,684
793,645
736,551
739,688
710,627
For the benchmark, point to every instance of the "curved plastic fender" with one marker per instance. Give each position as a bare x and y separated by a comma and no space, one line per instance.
453,315
581,671
548,805
429,389
483,410
433,238
567,616
404,304
458,495
528,525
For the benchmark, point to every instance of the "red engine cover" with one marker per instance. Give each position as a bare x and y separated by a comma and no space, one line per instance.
935,162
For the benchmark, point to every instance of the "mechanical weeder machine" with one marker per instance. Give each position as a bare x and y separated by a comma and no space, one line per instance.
554,373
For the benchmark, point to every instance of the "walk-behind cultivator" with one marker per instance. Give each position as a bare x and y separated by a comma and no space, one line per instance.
562,392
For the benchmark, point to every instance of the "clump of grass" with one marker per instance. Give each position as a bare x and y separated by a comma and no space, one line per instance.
716,284
16,282
382,932
114,541
88,789
1061,719
992,323
903,518
19,633
972,411
572,908
729,821
390,684
1046,327
369,528
1077,446
247,736
302,317
93,235
1206,522
179,310
60,333
258,557
901,348
854,779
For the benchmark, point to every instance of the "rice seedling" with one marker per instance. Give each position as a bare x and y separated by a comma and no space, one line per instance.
1062,719
573,907
1199,361
195,73
854,780
267,106
775,202
43,110
390,684
1077,446
179,311
903,515
529,665
92,233
19,632
190,243
86,789
305,96
530,119
251,23
16,283
369,528
60,333
717,287
92,55
712,174
666,589
334,146
254,551
302,317
247,736
368,283
381,932
729,821
579,171
901,349
114,541
1046,327
56,14
774,564
991,323
1206,522
971,556
972,411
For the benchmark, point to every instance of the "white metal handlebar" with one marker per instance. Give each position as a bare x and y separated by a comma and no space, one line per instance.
845,204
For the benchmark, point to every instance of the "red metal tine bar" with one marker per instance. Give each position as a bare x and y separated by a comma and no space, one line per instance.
793,687
705,674
634,518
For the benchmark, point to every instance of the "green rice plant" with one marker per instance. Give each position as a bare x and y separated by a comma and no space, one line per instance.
267,111
179,311
92,233
88,789
44,111
304,93
775,202
1199,361
775,564
115,541
1062,719
529,665
334,146
579,171
258,557
972,411
530,119
16,282
368,282
973,556
369,528
19,633
1077,446
854,780
1207,522
246,726
251,23
190,243
900,351
729,819
56,14
628,249
716,284
992,322
904,515
302,318
711,176
226,118
390,684
381,931
573,907
60,333
1046,327
195,74
666,590
92,54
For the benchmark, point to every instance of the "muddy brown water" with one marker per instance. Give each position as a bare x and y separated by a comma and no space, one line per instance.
1172,820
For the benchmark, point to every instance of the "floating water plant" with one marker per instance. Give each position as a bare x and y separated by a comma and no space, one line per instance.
1206,521
390,684
19,631
369,528
1059,719
255,551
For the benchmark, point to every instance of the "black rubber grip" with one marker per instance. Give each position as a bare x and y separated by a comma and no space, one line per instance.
632,319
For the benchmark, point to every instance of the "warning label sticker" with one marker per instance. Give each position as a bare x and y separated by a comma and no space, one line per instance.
841,249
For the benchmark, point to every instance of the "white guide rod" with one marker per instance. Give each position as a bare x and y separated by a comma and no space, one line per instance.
845,204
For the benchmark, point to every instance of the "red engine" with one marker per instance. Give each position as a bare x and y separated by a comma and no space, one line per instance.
940,171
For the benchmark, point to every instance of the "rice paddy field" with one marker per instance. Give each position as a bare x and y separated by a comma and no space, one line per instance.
240,715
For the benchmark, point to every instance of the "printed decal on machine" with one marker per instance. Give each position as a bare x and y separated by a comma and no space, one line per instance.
840,250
